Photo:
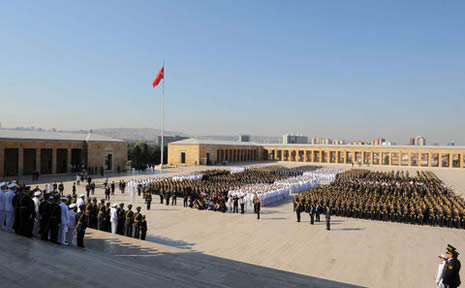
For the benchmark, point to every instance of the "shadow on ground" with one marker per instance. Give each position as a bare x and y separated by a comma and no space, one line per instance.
119,262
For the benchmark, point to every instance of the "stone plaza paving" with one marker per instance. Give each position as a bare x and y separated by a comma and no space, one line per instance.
191,248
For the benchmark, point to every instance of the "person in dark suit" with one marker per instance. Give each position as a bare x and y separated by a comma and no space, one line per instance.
186,197
55,220
161,193
317,212
256,204
235,204
143,228
312,214
298,209
45,212
173,197
328,218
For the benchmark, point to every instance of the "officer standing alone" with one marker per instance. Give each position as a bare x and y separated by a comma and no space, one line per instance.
328,218
298,208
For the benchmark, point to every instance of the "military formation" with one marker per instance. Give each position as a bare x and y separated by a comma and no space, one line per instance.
115,219
48,215
210,192
387,196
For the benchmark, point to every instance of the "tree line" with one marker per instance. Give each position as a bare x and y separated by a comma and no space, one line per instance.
142,154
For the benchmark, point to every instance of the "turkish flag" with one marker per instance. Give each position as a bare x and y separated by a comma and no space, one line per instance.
160,75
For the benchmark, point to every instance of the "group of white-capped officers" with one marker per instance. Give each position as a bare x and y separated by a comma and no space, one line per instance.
46,216
50,216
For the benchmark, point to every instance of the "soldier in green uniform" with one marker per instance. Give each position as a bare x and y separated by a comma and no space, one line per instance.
129,221
106,218
121,219
137,223
148,197
81,226
101,215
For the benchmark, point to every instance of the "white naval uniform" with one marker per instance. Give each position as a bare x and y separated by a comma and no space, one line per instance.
71,226
133,192
80,202
439,276
113,219
9,210
2,210
64,223
35,230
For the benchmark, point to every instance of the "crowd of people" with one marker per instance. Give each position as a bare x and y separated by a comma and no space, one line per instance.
388,196
209,192
48,215
223,191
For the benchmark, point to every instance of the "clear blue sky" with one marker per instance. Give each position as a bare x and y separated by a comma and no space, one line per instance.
341,69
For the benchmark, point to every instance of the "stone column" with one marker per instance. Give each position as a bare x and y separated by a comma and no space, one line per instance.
460,160
320,156
54,160
69,161
337,157
409,159
363,157
430,159
390,158
20,160
38,160
2,162
439,160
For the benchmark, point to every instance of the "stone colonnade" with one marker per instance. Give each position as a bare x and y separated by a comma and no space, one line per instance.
428,157
237,155
45,157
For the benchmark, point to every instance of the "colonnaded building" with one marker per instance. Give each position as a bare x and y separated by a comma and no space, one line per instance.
207,152
26,152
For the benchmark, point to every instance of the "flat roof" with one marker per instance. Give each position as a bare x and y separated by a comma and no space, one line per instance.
12,134
195,141
369,146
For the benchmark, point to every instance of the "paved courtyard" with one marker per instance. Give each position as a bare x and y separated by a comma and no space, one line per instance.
233,250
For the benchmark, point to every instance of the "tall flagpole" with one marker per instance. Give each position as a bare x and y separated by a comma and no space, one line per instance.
162,118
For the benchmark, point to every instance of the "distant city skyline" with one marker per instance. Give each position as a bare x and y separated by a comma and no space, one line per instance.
152,135
352,70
